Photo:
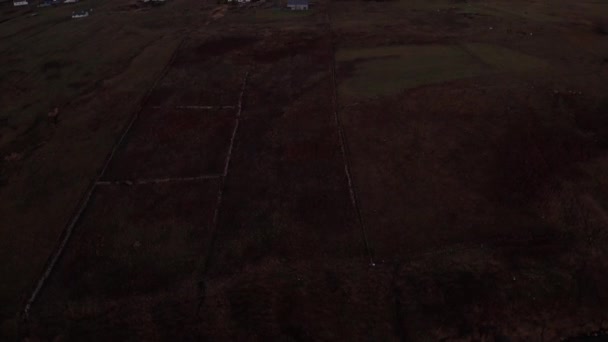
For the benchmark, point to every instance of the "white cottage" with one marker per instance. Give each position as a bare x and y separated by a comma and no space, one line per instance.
298,5
80,14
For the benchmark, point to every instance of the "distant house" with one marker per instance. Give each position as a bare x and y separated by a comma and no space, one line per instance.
70,1
20,3
297,5
80,14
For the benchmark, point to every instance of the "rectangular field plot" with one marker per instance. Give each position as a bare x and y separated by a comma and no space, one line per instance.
128,271
208,83
388,70
286,69
435,171
174,143
286,194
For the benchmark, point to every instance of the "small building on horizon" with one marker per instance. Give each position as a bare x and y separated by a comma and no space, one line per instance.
298,5
18,3
80,14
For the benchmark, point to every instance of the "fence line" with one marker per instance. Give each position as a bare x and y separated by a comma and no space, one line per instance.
83,204
344,148
159,180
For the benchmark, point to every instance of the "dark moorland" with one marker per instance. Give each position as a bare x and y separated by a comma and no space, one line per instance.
408,170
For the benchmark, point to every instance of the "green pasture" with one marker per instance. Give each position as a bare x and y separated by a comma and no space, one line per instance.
387,70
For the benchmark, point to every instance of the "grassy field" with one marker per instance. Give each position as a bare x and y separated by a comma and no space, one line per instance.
470,150
137,248
95,71
459,194
391,69
506,60
385,71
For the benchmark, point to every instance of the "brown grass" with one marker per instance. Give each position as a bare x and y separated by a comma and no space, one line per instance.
600,26
484,197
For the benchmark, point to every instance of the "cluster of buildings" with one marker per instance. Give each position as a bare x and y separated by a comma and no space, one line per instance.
298,5
48,3
81,14
154,2
45,3
294,5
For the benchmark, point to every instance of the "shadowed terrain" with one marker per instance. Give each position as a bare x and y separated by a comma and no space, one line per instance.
365,170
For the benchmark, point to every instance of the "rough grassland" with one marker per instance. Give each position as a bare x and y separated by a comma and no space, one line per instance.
474,133
95,71
388,70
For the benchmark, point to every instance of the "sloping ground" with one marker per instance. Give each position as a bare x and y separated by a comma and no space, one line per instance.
482,198
133,257
489,190
391,69
95,71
